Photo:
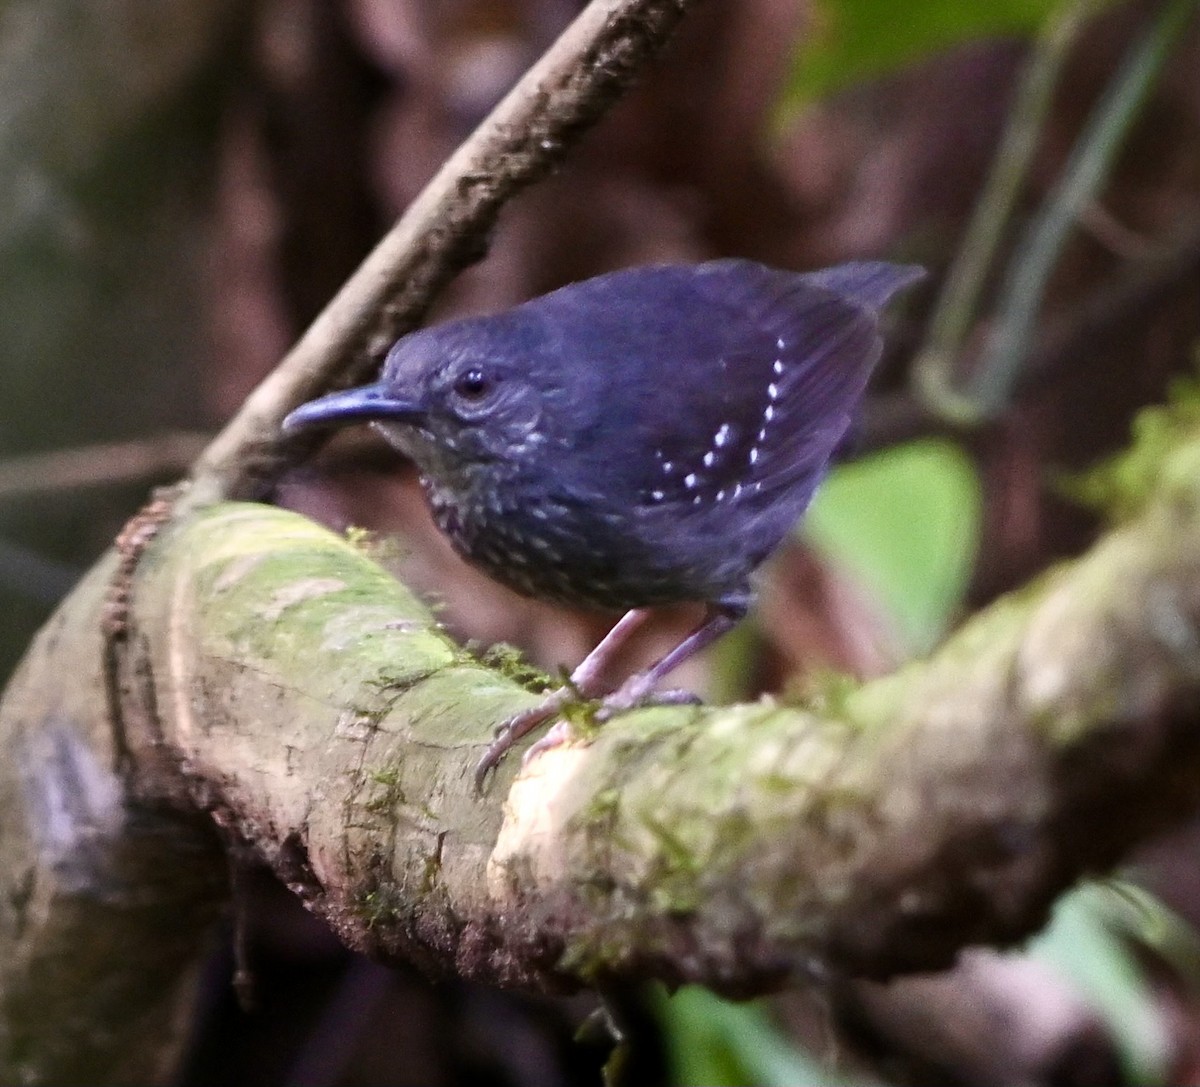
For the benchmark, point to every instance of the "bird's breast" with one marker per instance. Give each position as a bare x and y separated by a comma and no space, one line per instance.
583,550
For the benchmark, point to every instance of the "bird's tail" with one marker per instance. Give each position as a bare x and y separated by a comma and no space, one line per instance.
869,283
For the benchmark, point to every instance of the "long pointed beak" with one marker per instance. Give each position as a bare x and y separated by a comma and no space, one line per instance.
352,406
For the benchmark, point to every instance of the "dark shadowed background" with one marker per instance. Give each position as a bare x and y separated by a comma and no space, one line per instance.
185,183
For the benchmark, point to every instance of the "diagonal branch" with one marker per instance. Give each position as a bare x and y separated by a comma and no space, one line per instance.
445,228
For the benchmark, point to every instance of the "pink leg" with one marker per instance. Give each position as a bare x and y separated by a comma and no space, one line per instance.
586,682
718,620
588,675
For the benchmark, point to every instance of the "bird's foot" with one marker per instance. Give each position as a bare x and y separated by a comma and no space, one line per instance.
521,724
558,734
634,695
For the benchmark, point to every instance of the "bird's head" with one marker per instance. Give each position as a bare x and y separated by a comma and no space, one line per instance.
452,397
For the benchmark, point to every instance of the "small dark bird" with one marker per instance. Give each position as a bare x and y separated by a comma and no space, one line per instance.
641,438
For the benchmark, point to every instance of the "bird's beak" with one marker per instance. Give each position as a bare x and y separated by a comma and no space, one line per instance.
353,406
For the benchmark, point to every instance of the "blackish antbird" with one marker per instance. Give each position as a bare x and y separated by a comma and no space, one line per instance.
641,438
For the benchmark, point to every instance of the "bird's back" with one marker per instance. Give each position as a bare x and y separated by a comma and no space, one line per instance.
689,414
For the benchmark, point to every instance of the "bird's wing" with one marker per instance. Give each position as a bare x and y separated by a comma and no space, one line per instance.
693,384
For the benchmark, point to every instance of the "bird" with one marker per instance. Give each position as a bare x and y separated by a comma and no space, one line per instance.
644,437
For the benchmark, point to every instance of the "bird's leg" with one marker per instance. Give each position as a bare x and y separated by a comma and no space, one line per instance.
588,676
587,681
721,617
638,689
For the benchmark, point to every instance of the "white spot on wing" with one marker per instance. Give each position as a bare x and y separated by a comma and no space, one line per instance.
689,480
722,435
754,455
778,367
709,458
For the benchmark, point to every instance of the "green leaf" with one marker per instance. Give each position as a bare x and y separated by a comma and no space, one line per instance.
1088,943
716,1043
854,40
904,523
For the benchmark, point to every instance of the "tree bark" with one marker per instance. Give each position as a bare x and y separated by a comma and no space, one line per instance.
275,678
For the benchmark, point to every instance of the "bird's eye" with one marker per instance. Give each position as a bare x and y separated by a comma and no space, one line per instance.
473,384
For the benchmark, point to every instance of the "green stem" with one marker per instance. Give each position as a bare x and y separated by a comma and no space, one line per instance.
956,307
1087,170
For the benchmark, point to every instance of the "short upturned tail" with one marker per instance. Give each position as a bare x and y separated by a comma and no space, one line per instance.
870,283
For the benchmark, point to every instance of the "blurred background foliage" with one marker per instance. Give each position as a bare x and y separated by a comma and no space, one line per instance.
184,183
904,523
852,41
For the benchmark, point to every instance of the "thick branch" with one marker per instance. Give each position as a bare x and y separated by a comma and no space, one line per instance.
943,806
104,905
304,697
560,97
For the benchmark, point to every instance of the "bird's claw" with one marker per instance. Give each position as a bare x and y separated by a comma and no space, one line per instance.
508,732
621,700
558,734
672,696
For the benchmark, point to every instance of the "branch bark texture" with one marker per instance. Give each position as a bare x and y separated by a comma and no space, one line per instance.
310,699
280,681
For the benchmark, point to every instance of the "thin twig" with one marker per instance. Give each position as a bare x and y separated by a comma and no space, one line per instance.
1120,240
446,227
102,465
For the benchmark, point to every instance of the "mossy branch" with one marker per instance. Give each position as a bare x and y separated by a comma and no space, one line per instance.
312,701
280,682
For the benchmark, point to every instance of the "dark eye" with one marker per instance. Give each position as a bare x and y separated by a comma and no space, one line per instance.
473,384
